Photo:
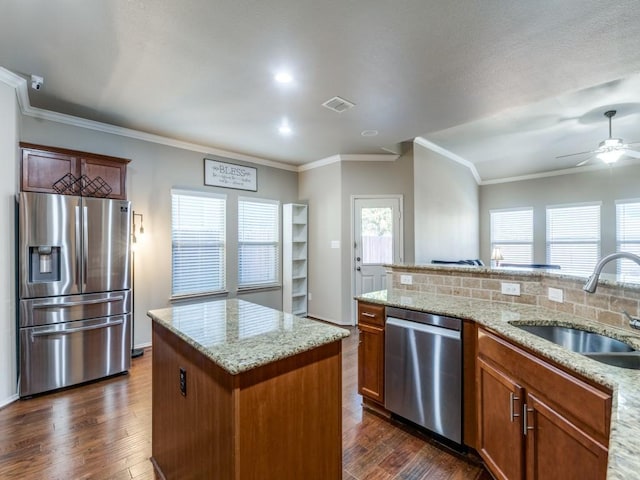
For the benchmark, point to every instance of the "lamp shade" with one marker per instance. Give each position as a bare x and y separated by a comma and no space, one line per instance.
496,254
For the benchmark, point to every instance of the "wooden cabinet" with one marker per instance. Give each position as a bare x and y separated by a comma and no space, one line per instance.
536,421
43,166
371,351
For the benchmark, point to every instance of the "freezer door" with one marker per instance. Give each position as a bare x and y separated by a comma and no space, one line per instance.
49,236
45,311
65,354
106,241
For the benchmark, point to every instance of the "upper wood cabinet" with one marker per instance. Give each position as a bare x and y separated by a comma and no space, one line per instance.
43,166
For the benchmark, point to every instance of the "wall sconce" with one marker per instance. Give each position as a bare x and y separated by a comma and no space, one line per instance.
141,232
496,257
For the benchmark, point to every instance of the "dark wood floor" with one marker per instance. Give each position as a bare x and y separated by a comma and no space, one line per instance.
103,431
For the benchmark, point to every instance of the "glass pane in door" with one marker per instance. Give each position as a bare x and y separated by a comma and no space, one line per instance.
377,235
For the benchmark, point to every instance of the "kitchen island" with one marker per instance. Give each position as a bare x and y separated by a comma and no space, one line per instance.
243,391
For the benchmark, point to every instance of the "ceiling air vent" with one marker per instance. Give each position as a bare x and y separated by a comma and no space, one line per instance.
338,104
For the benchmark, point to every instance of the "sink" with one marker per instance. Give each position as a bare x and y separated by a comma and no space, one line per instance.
624,359
579,341
593,345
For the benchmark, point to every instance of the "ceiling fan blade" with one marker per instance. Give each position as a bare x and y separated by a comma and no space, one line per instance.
584,162
576,154
632,153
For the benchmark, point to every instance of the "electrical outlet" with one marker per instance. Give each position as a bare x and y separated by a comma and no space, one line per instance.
510,288
406,279
183,382
556,295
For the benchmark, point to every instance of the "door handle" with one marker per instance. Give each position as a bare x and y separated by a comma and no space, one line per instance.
75,330
512,414
525,418
358,269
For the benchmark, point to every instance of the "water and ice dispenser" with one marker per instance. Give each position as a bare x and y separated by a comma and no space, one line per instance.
44,264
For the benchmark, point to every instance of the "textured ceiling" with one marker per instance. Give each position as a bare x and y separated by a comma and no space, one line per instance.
453,72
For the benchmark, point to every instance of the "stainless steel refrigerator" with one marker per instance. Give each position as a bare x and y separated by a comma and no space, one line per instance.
74,321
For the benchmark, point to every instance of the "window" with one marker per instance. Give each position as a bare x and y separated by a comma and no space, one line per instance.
628,237
198,242
512,233
258,242
573,237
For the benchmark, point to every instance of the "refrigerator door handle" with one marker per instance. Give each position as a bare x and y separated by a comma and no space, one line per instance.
75,304
85,247
78,249
75,330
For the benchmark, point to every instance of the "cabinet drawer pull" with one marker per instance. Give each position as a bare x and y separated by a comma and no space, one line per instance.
525,417
367,314
512,410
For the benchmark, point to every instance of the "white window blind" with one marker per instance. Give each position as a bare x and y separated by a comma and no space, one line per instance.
628,237
198,242
258,242
573,237
512,233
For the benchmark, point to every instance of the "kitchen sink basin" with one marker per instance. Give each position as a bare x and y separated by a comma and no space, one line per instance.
579,341
621,359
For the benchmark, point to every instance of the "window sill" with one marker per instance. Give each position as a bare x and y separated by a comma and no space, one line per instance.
257,288
197,296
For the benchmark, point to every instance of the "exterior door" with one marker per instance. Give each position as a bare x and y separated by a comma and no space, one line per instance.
377,241
106,238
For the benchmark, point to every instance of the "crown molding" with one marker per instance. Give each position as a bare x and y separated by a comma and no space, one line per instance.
349,158
554,173
450,155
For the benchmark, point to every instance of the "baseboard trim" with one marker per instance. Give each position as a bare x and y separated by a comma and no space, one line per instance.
9,400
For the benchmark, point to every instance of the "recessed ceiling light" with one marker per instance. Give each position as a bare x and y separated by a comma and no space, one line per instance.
284,129
283,77
369,133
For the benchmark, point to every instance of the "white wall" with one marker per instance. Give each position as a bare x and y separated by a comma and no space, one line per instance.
153,171
446,208
320,188
606,186
9,131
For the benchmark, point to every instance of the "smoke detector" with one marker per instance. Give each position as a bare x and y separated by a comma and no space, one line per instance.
338,104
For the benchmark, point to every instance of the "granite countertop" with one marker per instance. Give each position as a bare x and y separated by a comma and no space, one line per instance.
239,336
624,443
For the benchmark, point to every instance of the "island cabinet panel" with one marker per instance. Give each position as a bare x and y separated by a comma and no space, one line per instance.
192,433
371,351
562,420
277,421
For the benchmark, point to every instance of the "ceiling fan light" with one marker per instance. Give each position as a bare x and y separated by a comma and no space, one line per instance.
610,156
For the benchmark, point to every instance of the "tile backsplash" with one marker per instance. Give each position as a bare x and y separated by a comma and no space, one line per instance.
605,305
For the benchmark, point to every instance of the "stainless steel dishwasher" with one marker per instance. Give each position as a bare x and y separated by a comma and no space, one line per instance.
423,370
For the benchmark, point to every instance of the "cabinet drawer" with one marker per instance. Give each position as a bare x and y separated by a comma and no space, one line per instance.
371,314
579,401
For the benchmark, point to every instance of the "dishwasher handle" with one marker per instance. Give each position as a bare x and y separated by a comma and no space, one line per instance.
421,327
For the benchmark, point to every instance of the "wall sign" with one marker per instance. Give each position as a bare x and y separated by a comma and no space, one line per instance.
229,175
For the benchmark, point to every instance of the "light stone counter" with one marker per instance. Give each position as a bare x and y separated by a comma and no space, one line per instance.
239,336
624,445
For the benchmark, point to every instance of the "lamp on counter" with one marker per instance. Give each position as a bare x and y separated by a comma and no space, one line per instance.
496,257
135,352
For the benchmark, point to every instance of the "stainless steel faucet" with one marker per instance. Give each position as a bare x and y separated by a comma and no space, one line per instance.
592,282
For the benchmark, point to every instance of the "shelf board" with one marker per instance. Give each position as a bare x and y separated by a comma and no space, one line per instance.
298,295
299,259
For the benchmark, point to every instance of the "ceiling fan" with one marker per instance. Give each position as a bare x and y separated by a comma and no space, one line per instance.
609,150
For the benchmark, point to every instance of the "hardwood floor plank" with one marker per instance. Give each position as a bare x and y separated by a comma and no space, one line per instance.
102,431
